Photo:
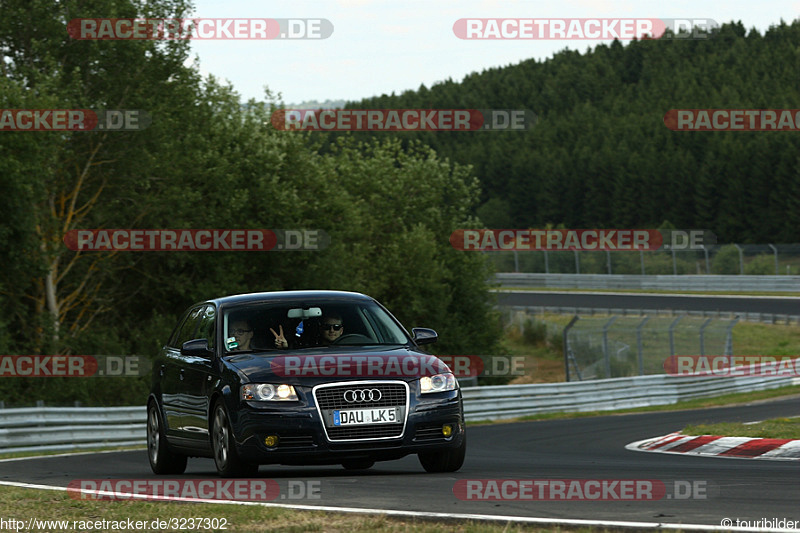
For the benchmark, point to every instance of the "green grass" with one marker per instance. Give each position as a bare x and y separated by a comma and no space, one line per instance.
778,428
36,453
22,504
751,338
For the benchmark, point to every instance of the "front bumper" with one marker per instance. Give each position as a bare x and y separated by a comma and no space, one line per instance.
302,439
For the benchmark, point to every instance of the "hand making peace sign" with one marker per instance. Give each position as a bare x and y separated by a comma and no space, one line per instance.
280,340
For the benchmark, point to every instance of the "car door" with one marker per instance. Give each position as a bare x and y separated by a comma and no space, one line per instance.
172,374
196,379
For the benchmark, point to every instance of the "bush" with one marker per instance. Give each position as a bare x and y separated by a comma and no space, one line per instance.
762,265
534,332
726,261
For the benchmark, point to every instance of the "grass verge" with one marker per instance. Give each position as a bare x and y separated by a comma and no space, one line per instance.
778,428
36,453
23,504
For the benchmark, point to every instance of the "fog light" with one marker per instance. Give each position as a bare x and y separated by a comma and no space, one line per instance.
271,441
447,430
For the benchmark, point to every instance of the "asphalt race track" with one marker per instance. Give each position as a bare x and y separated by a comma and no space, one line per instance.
577,449
589,448
724,304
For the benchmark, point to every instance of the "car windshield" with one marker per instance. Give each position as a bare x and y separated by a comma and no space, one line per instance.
307,325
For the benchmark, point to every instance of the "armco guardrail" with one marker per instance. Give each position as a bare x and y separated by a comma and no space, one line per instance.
510,401
669,283
55,428
70,428
767,318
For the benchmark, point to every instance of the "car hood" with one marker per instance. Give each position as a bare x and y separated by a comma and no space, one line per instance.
344,363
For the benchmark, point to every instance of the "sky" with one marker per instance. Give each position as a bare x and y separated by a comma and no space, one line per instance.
381,46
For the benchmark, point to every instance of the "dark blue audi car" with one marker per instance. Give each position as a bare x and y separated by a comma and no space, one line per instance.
300,378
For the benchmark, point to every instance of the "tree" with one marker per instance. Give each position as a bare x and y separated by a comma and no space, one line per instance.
72,180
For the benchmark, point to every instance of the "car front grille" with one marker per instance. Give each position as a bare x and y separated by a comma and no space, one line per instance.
331,397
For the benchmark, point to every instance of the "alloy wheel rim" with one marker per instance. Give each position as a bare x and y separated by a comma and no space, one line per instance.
152,437
220,438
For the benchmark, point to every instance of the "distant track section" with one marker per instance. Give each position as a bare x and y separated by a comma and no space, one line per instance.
684,282
724,304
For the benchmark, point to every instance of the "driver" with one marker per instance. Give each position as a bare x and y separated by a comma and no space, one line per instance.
331,328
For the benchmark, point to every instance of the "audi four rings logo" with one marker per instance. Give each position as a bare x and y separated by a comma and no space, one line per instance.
362,395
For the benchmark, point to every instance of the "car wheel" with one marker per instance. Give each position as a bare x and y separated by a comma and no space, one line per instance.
358,464
449,460
225,457
162,459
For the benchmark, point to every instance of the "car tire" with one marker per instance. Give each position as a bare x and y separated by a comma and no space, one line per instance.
358,464
449,460
225,457
162,459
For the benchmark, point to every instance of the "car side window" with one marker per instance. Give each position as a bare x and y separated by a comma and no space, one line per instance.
207,328
176,333
189,326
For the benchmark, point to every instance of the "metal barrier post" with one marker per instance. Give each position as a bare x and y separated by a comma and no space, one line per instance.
741,259
671,338
566,345
702,339
776,257
729,341
605,345
639,344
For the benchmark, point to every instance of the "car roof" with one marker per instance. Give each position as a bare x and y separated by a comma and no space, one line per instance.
288,296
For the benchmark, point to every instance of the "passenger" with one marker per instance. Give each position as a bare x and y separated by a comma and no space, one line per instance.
242,331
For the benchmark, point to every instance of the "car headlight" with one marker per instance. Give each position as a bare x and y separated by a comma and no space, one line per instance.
437,383
267,392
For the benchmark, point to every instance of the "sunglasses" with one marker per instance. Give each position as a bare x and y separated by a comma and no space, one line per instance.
334,327
241,331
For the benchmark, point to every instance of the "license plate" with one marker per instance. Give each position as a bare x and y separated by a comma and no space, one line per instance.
364,416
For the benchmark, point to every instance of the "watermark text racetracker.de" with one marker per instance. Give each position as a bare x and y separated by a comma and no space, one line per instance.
261,489
580,489
403,119
175,240
579,239
604,29
733,119
732,365
343,365
73,366
74,120
199,29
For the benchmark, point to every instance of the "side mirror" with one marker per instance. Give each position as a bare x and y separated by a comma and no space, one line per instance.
197,348
424,336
